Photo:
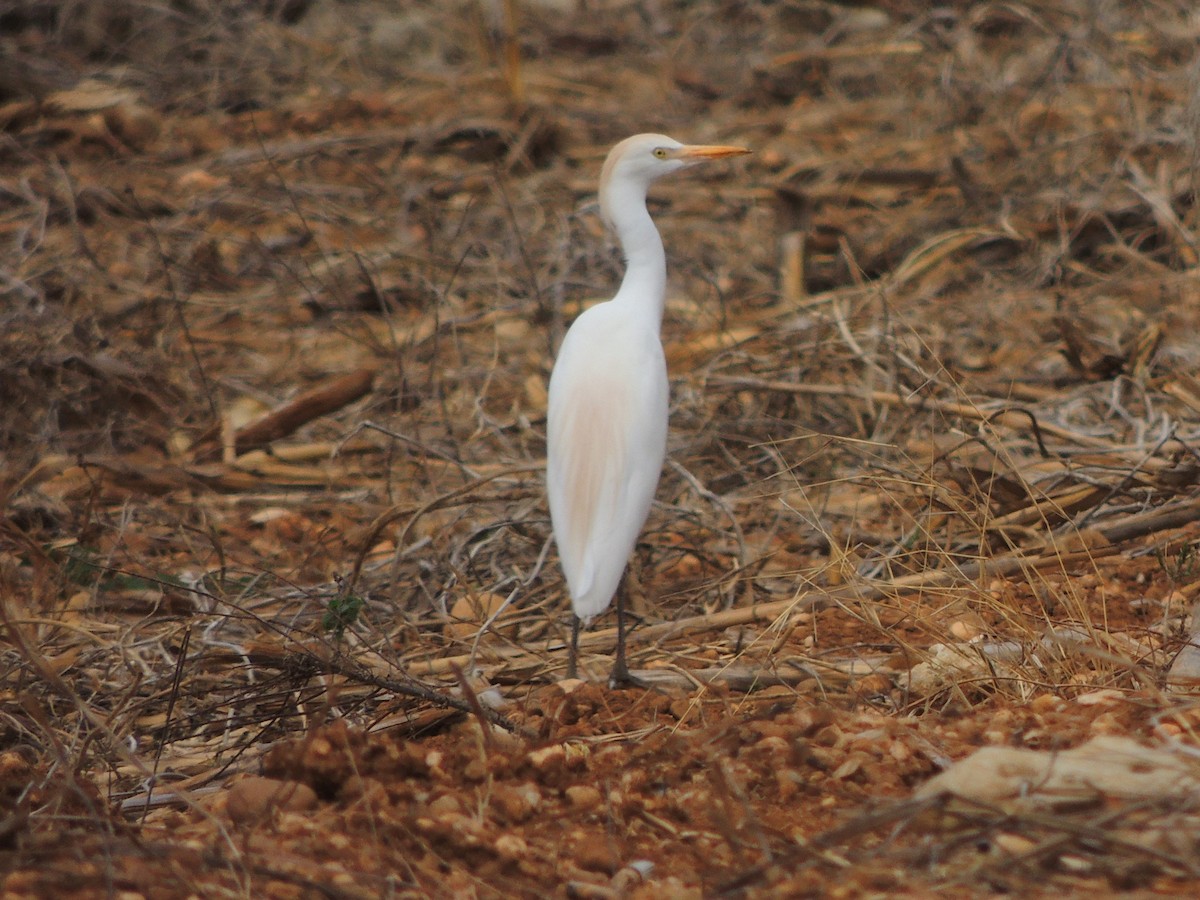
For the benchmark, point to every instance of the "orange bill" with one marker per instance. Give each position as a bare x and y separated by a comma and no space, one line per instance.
708,151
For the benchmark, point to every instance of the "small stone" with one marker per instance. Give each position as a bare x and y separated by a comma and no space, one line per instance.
873,685
1184,674
546,757
1175,603
583,796
445,805
254,798
626,879
773,744
468,829
472,611
516,803
681,707
510,846
964,630
594,856
433,762
559,756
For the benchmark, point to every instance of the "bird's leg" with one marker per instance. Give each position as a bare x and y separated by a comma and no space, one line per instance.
620,673
573,656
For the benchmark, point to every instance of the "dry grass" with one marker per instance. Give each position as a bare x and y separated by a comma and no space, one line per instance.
935,421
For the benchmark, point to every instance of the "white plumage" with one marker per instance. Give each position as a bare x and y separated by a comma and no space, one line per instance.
607,419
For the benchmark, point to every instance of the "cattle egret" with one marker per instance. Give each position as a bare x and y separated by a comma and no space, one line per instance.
606,425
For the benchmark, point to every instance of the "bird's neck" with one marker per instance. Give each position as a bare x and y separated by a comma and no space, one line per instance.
645,283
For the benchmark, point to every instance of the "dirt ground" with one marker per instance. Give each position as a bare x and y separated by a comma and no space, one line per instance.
280,287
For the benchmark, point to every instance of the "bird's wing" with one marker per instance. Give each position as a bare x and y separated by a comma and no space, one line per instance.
606,436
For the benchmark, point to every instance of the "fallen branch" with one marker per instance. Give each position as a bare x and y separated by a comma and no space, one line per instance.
737,678
301,661
320,401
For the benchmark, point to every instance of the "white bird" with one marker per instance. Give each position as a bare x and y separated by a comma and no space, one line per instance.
606,424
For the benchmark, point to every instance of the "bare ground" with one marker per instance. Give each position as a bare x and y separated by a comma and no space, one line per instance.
281,285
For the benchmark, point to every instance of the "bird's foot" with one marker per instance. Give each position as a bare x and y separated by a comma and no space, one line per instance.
621,677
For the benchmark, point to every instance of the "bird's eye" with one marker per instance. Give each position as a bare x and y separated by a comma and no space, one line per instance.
660,152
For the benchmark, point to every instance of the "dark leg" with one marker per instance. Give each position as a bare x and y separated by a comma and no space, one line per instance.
573,656
620,673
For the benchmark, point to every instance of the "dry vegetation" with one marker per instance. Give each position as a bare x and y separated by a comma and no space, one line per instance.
280,284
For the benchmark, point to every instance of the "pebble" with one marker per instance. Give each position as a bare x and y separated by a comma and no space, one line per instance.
255,797
546,757
774,744
510,846
470,612
558,756
516,803
594,856
1184,674
583,796
445,805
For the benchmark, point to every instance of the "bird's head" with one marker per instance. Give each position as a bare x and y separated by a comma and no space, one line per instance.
638,161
